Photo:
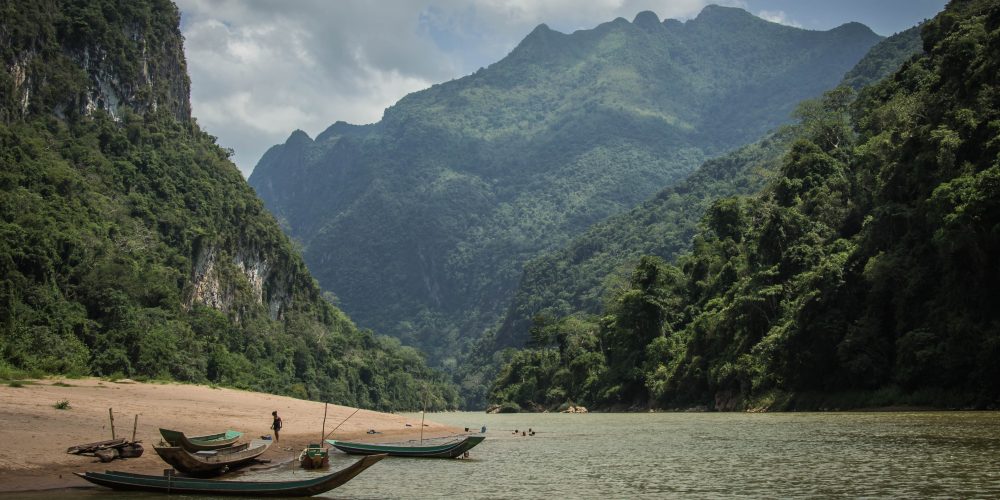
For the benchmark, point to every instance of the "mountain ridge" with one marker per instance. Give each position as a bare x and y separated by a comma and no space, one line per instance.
652,217
419,223
859,276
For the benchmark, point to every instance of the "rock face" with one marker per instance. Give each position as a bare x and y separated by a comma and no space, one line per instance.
213,287
140,67
131,245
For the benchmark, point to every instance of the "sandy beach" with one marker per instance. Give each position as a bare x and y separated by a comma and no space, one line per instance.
35,434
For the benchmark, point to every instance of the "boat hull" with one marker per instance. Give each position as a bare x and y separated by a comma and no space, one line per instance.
447,450
200,443
314,457
186,485
218,462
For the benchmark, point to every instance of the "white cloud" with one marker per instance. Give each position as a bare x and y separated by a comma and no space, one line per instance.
777,16
260,70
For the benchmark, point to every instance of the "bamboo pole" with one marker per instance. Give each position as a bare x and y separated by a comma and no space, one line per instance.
323,434
135,425
423,410
342,423
112,415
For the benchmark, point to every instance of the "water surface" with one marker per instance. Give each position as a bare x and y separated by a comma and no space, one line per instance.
694,455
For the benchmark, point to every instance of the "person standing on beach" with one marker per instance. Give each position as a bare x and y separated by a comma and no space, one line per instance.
276,424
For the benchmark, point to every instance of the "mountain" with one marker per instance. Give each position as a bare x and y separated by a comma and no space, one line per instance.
576,277
421,223
863,274
132,247
885,58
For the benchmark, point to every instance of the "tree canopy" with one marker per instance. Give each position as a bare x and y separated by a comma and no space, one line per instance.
863,274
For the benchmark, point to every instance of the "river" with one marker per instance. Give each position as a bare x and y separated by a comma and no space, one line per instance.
697,455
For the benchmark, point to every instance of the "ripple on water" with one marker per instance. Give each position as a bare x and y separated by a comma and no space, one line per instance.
695,455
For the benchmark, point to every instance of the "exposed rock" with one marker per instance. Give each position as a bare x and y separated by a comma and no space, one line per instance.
728,401
213,286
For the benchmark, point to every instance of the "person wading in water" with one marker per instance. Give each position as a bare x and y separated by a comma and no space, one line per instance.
276,425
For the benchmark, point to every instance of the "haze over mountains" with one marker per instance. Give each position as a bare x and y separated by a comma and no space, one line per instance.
421,223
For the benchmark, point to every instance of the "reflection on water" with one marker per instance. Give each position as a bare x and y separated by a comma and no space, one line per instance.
700,455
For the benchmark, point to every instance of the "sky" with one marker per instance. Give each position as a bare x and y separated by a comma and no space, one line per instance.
261,69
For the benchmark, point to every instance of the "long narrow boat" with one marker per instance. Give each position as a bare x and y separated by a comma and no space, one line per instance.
188,485
212,462
447,450
200,443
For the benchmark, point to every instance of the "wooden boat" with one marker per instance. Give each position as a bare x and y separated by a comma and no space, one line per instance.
189,485
314,456
200,443
447,450
212,462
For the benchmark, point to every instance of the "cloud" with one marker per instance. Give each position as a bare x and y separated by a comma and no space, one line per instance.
261,69
777,16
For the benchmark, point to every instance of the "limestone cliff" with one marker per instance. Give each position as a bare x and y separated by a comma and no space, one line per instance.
131,245
67,57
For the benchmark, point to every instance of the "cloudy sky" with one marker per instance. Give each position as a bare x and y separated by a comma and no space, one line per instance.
261,69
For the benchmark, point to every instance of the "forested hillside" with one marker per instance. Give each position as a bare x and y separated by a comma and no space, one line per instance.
863,274
131,246
577,277
421,223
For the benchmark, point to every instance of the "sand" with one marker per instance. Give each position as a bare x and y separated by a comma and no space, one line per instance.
35,435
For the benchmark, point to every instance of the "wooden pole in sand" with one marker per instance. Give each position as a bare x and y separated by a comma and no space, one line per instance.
134,426
323,434
112,415
423,410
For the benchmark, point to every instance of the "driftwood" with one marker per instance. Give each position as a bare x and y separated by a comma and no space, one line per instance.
107,454
131,450
93,447
113,448
109,450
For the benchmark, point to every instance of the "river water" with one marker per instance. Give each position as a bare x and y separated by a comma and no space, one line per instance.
695,455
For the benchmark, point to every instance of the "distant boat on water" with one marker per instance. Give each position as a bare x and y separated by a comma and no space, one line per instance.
450,449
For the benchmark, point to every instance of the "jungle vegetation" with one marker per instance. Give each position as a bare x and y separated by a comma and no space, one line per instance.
862,274
130,246
421,224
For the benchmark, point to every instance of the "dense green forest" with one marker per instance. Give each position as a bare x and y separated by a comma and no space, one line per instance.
421,223
577,277
863,274
130,246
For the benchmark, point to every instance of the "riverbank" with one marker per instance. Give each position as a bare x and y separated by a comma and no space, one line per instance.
35,434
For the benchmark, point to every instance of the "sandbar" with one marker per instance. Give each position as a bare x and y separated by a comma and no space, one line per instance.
35,434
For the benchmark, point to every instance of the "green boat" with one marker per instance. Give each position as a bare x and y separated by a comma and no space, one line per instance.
212,462
314,456
200,443
451,449
188,485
